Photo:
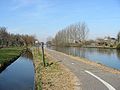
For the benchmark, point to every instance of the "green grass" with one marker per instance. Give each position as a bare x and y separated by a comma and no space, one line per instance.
6,54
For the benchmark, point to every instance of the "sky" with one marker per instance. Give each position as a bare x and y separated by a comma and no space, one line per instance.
45,18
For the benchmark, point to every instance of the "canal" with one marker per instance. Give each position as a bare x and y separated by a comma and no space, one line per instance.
19,75
108,57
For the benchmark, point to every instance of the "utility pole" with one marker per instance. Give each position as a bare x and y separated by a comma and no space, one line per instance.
43,56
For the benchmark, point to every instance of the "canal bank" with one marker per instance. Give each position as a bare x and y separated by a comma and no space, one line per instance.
54,76
8,56
19,75
107,57
91,76
91,63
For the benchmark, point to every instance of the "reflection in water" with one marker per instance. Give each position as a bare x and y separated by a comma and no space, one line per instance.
27,54
105,51
108,57
118,53
19,75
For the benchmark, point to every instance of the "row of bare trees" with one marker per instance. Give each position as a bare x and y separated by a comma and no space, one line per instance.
75,33
8,39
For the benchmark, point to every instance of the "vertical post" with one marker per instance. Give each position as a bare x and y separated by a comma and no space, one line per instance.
37,46
43,57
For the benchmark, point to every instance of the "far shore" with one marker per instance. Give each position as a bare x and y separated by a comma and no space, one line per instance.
101,47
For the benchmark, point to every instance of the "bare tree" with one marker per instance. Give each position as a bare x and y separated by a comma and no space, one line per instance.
8,39
71,34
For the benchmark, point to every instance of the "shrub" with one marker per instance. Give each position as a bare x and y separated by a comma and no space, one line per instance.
118,46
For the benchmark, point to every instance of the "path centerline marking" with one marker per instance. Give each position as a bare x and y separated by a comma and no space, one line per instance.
104,82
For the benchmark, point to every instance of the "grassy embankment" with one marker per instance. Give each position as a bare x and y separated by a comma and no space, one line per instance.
52,77
95,64
8,55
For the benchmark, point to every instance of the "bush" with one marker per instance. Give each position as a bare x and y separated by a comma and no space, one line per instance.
118,46
111,45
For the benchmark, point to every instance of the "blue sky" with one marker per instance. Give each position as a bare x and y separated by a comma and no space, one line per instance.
44,18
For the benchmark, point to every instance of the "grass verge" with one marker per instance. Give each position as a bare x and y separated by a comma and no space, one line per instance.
86,61
52,77
8,55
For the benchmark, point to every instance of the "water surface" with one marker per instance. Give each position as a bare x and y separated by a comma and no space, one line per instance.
19,75
108,57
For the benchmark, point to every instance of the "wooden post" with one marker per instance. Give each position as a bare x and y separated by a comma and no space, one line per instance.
43,56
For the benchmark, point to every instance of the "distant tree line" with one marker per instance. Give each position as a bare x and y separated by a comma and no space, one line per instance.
8,39
75,33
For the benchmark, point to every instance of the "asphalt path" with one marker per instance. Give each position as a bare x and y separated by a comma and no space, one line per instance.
90,77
